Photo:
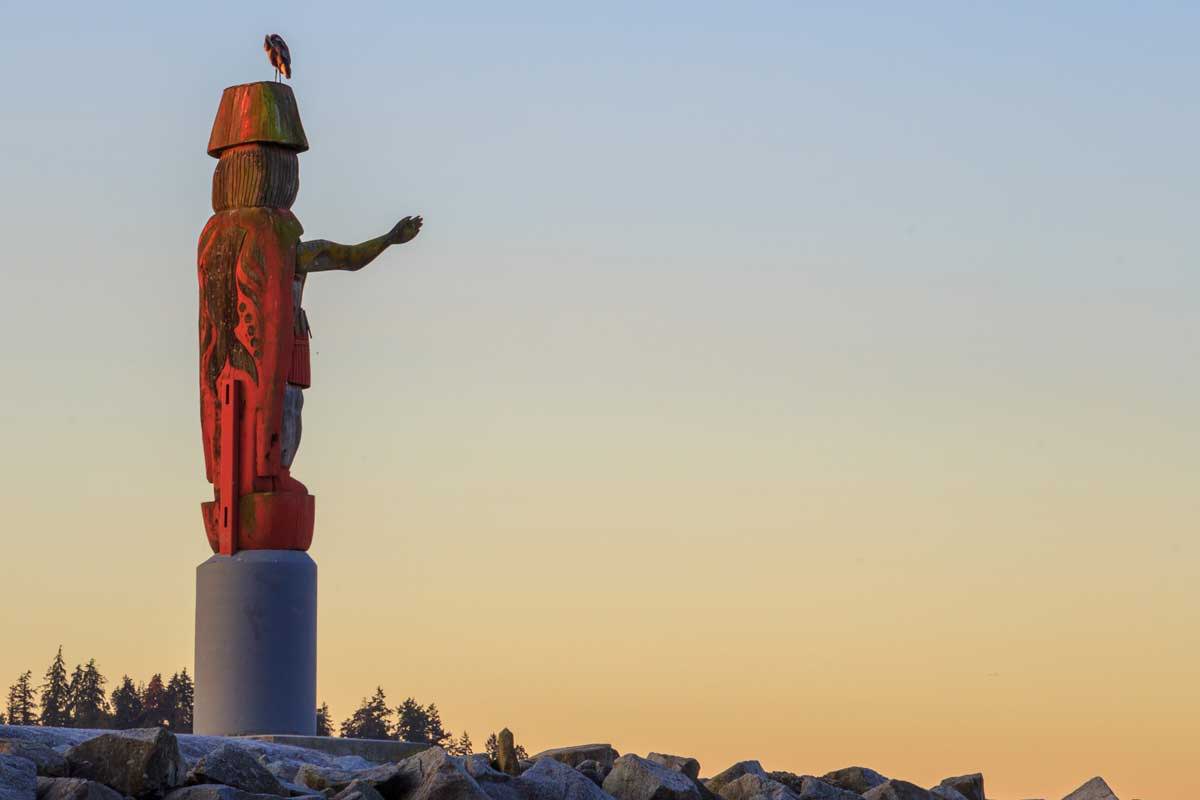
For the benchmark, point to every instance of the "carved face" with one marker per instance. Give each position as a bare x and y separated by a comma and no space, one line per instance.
256,175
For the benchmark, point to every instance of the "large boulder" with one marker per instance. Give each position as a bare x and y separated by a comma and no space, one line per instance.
969,786
685,764
636,778
74,789
897,790
756,787
139,763
943,792
18,778
573,756
1095,789
854,779
233,765
48,762
549,779
716,782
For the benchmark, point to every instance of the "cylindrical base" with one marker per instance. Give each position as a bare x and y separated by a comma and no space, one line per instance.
256,644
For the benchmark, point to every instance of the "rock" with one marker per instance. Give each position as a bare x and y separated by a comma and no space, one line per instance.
812,788
358,790
506,754
969,786
48,762
18,778
604,754
429,775
480,768
789,779
139,763
216,791
897,790
685,764
716,782
549,779
756,787
233,765
854,779
1095,789
594,771
636,778
942,792
807,787
74,789
310,776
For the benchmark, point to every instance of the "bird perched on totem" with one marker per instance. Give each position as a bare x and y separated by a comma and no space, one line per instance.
278,55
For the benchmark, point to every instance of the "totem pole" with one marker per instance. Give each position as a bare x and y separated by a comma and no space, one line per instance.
256,598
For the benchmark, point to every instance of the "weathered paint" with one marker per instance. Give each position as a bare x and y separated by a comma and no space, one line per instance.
264,112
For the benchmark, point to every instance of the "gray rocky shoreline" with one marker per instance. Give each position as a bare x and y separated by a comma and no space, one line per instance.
39,763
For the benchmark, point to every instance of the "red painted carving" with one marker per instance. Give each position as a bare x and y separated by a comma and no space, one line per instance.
247,265
254,354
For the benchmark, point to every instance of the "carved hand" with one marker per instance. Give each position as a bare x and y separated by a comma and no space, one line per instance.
405,230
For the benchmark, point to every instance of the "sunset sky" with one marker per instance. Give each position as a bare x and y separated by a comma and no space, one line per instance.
809,382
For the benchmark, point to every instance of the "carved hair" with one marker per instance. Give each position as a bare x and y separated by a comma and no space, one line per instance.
256,175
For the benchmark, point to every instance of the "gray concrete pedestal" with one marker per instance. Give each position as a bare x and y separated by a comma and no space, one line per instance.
256,644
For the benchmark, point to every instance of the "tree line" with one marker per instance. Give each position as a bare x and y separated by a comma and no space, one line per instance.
79,701
410,722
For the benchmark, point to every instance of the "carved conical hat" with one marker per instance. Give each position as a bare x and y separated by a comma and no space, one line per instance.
262,112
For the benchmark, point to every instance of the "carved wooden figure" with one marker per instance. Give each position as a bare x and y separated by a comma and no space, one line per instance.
254,335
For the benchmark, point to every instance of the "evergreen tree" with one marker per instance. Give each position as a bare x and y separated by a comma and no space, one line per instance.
21,702
56,694
324,724
72,690
126,705
181,693
434,732
156,707
3,721
89,704
413,722
462,746
370,721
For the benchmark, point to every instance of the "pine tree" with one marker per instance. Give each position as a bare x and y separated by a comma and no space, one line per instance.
413,722
89,704
462,746
324,724
371,720
56,694
21,702
156,707
72,690
126,705
435,733
180,699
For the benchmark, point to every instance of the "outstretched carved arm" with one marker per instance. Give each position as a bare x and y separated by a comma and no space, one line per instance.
320,255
